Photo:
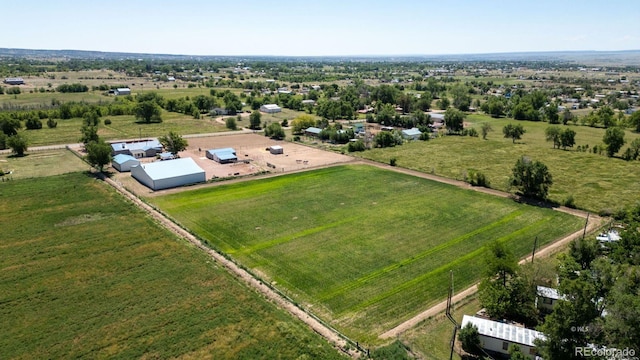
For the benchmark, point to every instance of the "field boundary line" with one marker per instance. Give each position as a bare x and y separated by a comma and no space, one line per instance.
339,340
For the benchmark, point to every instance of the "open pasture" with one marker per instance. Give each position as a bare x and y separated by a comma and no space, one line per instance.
85,274
364,248
122,127
40,163
596,182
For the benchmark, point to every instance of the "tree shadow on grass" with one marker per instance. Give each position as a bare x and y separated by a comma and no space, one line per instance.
17,156
547,204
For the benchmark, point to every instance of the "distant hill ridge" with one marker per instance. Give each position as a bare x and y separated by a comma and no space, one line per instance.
623,57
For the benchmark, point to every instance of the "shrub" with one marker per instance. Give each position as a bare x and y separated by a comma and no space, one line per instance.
33,123
476,178
472,132
52,123
107,121
569,202
230,123
356,146
393,161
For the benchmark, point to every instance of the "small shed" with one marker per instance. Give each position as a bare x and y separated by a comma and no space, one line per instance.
168,174
270,108
123,163
412,134
496,336
222,155
122,91
312,131
276,149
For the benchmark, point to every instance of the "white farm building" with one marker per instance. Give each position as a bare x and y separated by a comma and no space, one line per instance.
496,336
270,108
124,162
122,91
169,174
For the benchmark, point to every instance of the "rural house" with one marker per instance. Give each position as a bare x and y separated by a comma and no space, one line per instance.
547,298
138,149
168,174
496,336
312,131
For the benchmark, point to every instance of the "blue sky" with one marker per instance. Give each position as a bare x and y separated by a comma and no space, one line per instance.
321,28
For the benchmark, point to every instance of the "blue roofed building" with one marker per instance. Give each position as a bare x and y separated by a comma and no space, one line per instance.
222,155
169,174
123,162
138,149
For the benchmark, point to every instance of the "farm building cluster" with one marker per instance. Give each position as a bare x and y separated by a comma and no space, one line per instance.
216,157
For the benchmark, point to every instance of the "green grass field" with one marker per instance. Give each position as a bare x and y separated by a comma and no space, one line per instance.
366,248
123,127
595,181
41,163
85,274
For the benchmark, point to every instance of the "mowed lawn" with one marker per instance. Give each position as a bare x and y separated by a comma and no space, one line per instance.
596,182
85,274
367,248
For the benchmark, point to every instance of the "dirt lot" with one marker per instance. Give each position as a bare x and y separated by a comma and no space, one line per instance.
253,157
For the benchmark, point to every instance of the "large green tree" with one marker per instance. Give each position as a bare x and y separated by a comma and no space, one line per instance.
98,154
513,132
614,139
148,112
470,338
9,125
89,134
173,142
531,178
301,122
274,131
454,120
254,120
18,144
505,293
634,121
552,133
461,97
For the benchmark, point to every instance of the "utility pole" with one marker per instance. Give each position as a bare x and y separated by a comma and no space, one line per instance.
535,245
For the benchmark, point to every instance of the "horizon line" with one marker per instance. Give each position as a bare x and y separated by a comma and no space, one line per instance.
330,56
